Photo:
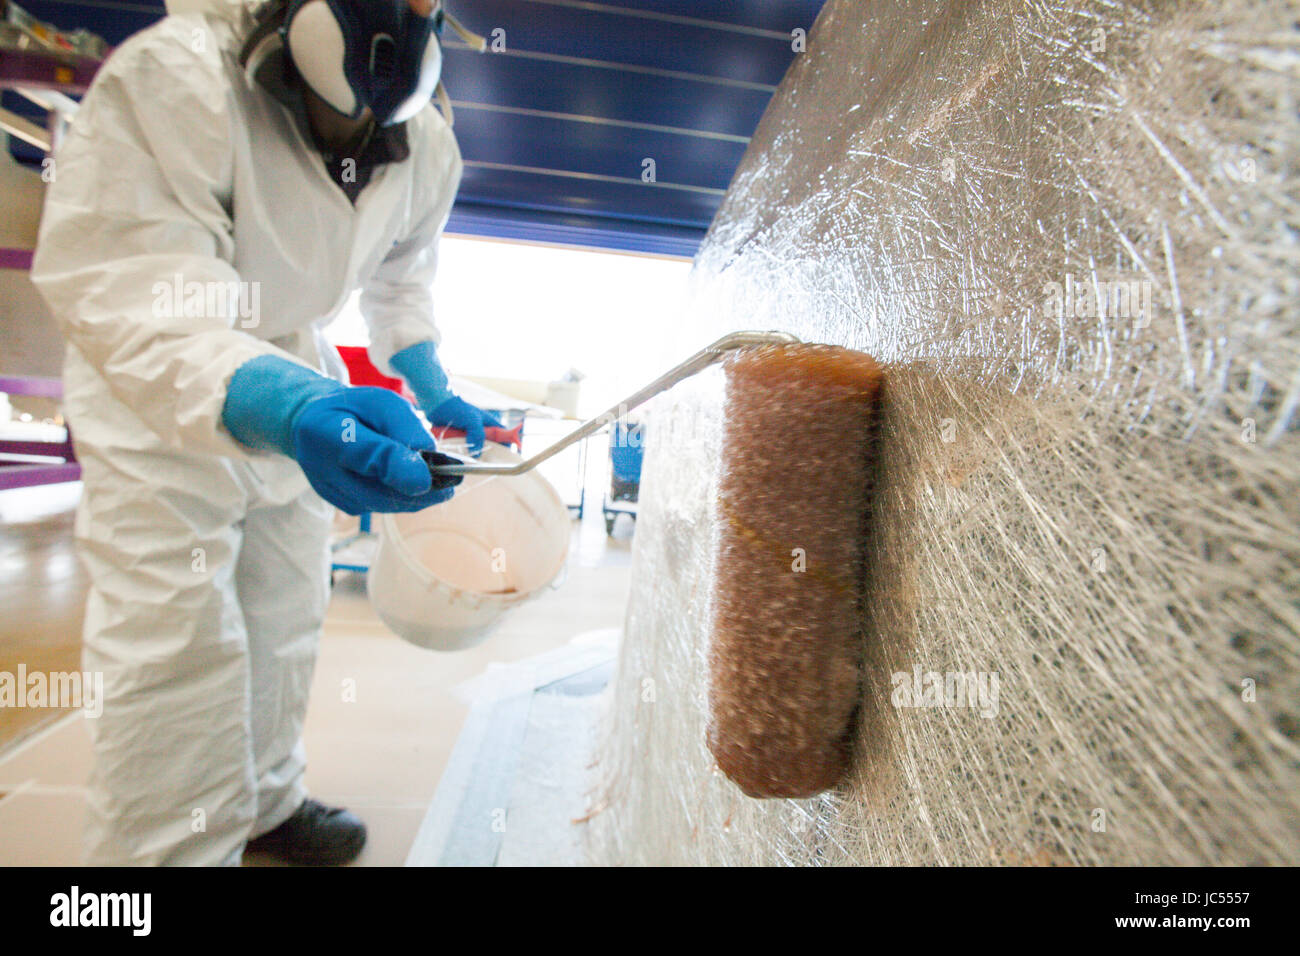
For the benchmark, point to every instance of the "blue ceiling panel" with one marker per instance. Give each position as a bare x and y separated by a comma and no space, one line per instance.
606,151
646,98
570,228
607,35
111,19
667,204
776,17
556,126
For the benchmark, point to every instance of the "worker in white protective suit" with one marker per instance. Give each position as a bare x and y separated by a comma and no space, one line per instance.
230,179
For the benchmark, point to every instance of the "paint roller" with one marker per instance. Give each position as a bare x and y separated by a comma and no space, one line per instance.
794,509
794,512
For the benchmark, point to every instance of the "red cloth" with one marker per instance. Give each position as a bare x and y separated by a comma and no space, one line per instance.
361,371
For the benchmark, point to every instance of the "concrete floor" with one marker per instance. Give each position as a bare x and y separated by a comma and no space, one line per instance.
382,755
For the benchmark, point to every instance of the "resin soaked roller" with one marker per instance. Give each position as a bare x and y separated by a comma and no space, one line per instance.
794,515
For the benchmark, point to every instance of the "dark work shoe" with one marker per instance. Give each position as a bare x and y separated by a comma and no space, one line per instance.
316,835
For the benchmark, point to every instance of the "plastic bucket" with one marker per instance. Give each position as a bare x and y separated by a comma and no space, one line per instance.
443,577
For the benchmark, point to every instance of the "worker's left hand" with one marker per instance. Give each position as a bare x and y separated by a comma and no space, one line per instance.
455,412
420,366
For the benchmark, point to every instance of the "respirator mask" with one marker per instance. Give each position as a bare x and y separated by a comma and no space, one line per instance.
355,54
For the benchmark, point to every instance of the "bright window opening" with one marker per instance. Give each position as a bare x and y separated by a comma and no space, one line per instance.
510,310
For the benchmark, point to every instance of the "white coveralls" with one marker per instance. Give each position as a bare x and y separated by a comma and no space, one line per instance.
209,563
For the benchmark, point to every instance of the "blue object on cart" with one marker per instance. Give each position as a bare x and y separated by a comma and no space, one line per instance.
626,454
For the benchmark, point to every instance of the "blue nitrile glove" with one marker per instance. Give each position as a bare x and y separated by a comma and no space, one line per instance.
419,365
359,447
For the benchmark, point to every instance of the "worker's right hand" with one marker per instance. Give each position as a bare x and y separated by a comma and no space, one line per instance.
359,447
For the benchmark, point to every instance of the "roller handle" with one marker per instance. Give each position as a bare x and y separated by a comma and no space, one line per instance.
436,460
